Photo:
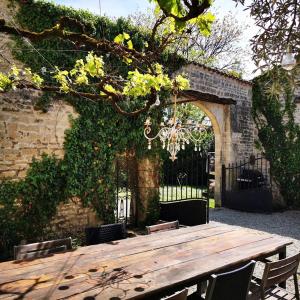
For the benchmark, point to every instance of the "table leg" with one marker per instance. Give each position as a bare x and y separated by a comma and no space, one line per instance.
282,255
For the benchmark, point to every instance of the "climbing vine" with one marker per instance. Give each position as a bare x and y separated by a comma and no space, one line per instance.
96,136
279,135
27,205
91,146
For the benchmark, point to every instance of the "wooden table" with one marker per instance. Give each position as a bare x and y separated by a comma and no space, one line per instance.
139,267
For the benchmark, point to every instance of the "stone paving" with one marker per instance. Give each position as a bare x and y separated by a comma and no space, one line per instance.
285,224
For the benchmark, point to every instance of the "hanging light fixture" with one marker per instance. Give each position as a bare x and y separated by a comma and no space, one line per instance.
288,61
174,135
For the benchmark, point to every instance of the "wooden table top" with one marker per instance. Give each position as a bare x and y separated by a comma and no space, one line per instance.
137,267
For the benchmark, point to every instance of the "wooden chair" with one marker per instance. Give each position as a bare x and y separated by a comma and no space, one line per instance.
35,250
233,285
105,233
274,274
162,227
181,295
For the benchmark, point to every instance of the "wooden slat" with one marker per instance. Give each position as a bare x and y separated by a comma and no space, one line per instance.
40,253
111,252
157,258
76,286
157,261
284,262
162,227
133,288
283,269
279,271
45,245
271,281
127,244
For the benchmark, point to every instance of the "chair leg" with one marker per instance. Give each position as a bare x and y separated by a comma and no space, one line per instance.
296,287
201,287
282,255
262,294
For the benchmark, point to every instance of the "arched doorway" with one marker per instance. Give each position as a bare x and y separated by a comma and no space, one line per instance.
220,119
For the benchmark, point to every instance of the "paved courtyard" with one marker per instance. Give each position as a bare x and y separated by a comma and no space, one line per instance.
285,224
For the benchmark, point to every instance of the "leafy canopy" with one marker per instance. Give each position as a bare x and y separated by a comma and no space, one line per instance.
91,79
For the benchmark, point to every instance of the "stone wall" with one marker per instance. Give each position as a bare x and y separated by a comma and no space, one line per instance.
240,127
26,133
72,218
233,125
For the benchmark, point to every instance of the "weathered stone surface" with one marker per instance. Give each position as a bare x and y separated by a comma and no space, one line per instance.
233,125
26,133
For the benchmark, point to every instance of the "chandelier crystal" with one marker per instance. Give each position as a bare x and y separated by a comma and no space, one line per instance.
174,135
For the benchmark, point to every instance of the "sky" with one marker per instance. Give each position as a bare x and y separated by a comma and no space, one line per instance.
118,8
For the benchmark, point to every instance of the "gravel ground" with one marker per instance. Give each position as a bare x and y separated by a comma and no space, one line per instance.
285,224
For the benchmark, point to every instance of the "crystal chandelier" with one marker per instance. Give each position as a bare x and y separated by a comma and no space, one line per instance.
174,135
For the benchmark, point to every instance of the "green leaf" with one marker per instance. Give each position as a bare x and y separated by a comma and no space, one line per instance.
119,39
126,36
173,7
129,44
204,23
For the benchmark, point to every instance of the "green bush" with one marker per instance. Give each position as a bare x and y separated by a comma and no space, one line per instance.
27,206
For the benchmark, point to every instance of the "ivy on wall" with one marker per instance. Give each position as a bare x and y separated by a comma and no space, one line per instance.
26,206
279,134
91,145
96,136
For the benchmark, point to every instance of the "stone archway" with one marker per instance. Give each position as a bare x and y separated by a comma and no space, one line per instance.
227,102
216,116
219,117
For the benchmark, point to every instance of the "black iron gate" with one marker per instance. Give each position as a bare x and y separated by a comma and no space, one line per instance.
247,185
126,190
184,189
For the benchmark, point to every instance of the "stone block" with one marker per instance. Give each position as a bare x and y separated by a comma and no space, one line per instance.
12,130
22,174
28,128
7,174
29,152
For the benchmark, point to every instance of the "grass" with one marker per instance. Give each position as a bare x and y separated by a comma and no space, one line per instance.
184,192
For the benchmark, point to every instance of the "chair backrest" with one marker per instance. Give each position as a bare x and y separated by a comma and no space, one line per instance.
105,233
181,295
35,250
233,285
162,227
279,271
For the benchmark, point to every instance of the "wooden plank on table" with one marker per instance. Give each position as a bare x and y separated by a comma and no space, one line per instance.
194,245
182,273
163,262
163,276
107,247
70,258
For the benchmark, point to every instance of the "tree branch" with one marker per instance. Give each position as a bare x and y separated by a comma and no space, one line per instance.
58,31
